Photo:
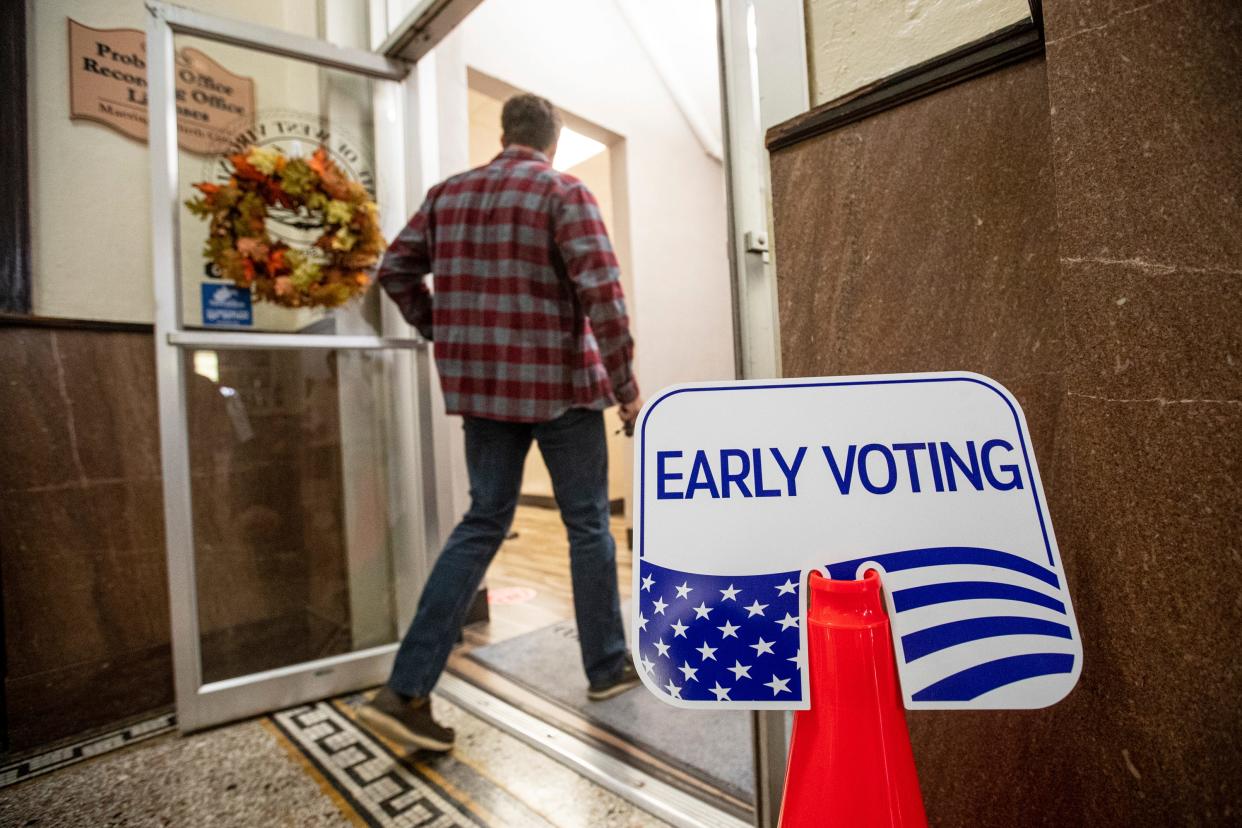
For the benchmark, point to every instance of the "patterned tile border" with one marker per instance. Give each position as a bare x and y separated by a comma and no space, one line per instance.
62,757
381,790
373,782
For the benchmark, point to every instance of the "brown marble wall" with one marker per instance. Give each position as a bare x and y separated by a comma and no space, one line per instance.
1070,227
1146,120
85,597
81,532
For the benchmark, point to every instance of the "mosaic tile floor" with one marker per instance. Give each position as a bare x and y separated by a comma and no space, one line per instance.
307,766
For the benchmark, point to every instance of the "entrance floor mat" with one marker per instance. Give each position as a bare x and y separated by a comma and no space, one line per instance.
714,746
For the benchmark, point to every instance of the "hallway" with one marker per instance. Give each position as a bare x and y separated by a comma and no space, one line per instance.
526,656
528,582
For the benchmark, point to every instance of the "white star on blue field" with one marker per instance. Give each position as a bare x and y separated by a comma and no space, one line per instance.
720,638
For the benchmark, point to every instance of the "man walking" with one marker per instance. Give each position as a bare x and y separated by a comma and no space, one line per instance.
532,343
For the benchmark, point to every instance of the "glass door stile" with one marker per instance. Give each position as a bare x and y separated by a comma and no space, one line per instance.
398,354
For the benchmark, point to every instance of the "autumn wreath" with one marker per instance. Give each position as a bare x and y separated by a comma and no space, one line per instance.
333,270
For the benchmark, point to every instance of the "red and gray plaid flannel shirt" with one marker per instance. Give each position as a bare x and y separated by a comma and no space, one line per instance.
527,318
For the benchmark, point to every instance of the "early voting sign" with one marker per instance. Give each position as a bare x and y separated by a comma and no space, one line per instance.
743,488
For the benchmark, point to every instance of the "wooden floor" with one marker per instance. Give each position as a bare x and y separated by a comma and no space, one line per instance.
538,558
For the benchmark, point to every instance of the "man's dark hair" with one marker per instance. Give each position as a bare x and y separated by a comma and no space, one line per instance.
531,121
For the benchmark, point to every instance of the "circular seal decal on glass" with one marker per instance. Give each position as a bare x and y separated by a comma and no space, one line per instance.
298,135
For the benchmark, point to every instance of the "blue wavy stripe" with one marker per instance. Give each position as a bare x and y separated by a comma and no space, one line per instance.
975,681
942,636
944,556
923,596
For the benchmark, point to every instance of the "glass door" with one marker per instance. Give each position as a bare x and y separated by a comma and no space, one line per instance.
298,493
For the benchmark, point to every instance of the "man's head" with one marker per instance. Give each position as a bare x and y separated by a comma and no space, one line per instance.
530,121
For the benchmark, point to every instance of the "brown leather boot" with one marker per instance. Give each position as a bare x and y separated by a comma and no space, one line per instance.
624,681
407,722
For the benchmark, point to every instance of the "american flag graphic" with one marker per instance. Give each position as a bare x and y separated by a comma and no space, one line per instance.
967,620
720,638
717,638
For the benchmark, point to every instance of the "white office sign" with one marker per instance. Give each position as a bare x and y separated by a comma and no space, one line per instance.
743,488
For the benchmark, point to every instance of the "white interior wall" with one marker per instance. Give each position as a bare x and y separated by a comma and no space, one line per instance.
855,42
680,40
586,58
596,173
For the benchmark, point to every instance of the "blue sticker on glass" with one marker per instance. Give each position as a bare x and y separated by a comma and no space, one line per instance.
226,306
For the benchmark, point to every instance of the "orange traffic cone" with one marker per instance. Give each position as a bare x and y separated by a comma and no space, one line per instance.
850,761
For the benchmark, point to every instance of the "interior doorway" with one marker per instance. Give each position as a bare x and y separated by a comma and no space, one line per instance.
594,155
620,68
637,85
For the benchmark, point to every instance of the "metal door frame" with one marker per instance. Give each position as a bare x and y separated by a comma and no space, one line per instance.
199,704
763,81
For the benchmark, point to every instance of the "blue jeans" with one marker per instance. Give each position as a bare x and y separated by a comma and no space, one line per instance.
574,448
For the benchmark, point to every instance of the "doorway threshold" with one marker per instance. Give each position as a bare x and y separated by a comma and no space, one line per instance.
643,789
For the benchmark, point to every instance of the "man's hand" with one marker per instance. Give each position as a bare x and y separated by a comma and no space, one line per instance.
629,414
